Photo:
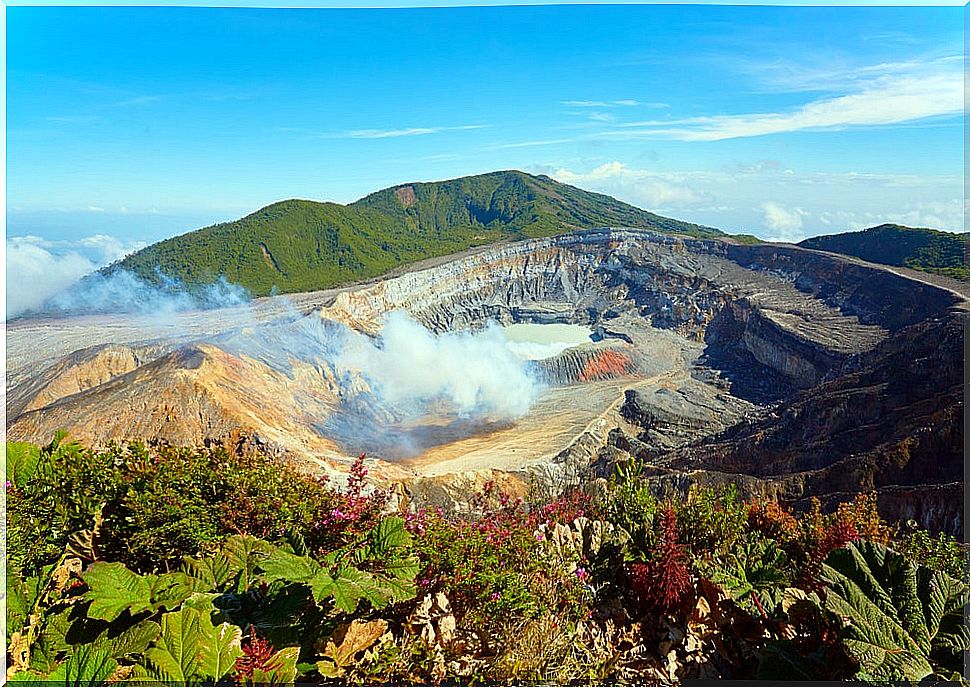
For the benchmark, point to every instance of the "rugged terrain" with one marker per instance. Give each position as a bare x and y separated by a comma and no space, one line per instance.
784,370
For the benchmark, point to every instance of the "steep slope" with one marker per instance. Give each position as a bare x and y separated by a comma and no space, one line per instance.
301,245
928,250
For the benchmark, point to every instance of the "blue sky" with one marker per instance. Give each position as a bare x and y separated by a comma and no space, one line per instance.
132,124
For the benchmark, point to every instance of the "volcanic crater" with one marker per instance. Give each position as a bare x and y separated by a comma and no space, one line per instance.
786,371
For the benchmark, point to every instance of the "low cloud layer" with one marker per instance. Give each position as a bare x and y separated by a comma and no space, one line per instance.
125,292
38,269
772,201
60,277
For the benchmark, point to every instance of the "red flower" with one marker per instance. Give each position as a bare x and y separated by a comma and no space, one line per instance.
661,583
256,654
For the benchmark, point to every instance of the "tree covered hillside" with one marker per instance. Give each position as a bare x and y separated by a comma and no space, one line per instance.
301,245
929,250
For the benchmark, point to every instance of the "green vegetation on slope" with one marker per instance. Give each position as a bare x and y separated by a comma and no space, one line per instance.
302,245
202,567
929,250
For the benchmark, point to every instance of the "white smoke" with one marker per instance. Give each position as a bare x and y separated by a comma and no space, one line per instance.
121,291
59,277
469,374
38,268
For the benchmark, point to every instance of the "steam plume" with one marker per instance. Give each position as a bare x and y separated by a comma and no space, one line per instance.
470,374
122,291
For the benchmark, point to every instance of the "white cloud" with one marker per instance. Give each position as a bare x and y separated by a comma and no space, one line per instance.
413,131
74,119
109,247
784,224
601,103
770,200
140,100
647,189
877,95
38,269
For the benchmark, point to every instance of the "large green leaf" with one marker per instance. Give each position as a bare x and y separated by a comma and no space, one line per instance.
114,589
244,553
131,642
190,648
175,656
213,572
22,595
900,620
220,648
282,565
21,462
351,585
389,534
87,667
51,644
754,568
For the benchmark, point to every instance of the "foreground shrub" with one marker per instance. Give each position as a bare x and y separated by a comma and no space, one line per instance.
255,573
148,507
493,567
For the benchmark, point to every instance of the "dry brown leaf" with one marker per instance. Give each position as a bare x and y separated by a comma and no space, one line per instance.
354,638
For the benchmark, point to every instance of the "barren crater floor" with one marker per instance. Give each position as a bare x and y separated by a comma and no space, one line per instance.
783,370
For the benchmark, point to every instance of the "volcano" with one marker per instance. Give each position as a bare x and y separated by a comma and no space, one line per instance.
786,371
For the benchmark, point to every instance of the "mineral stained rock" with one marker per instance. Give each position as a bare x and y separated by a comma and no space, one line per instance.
787,371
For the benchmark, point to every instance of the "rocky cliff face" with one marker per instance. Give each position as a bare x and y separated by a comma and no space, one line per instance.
794,372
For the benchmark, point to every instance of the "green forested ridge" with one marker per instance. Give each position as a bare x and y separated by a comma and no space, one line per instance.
301,245
928,250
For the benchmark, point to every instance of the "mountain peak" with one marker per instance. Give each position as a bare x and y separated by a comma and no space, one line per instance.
304,245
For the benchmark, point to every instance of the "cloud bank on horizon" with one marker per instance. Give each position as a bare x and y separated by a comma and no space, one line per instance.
38,269
49,277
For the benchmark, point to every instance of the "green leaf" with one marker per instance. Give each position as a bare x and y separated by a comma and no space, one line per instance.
896,615
21,462
87,667
113,589
220,647
389,534
51,644
22,594
351,585
175,656
282,565
132,642
191,648
322,586
168,591
244,553
213,572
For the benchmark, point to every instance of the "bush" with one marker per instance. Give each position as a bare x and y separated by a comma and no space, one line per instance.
492,568
270,574
155,505
942,553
